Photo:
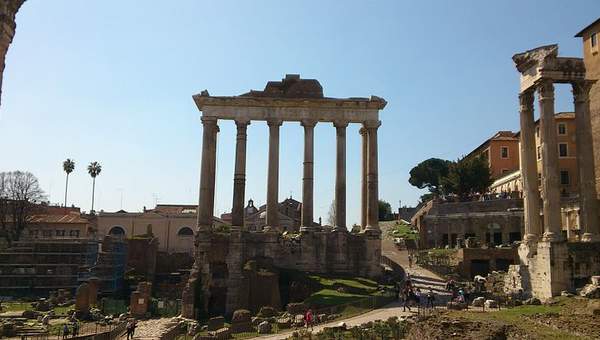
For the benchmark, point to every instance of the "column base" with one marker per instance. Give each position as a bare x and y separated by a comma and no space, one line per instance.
304,229
589,237
551,236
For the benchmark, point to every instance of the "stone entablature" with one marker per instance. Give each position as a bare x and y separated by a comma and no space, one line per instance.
8,12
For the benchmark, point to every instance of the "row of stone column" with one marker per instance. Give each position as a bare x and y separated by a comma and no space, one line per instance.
369,188
550,167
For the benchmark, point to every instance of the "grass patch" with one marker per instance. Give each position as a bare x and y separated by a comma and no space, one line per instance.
516,316
330,297
16,306
402,230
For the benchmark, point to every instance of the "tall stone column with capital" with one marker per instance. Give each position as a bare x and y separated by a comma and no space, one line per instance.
272,220
239,176
550,170
206,203
372,178
308,175
531,192
363,184
340,176
585,162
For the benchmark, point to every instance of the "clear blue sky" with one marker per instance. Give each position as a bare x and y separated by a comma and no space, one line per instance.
111,81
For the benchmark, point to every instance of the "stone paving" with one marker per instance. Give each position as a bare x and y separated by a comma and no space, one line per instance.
152,328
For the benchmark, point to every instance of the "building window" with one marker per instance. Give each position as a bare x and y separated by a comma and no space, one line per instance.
563,150
117,231
46,233
60,233
594,40
74,233
562,129
504,152
185,231
539,152
564,177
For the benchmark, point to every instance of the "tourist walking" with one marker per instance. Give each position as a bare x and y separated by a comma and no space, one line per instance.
308,319
407,296
410,260
75,329
130,329
430,298
65,331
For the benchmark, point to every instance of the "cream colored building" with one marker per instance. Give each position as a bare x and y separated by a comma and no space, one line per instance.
173,225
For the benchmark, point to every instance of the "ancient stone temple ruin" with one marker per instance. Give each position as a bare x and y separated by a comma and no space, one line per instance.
8,11
549,263
225,270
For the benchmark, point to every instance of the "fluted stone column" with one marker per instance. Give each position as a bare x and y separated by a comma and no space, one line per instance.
206,203
272,220
308,175
363,184
585,162
531,192
239,176
372,177
340,176
550,170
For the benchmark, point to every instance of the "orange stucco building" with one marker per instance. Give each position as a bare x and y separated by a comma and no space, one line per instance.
501,151
590,36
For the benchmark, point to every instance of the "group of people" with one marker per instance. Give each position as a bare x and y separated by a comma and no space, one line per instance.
73,330
411,295
458,293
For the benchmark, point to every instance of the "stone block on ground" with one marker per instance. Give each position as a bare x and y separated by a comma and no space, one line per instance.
491,304
533,301
591,291
478,301
221,334
264,328
267,312
241,321
596,280
215,323
283,323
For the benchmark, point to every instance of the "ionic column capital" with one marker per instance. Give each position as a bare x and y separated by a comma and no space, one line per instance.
545,89
308,123
274,122
371,124
210,122
362,131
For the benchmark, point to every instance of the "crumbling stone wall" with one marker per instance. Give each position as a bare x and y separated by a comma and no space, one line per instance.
220,260
548,268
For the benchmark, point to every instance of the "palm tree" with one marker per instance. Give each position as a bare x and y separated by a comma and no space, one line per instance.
94,170
68,167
